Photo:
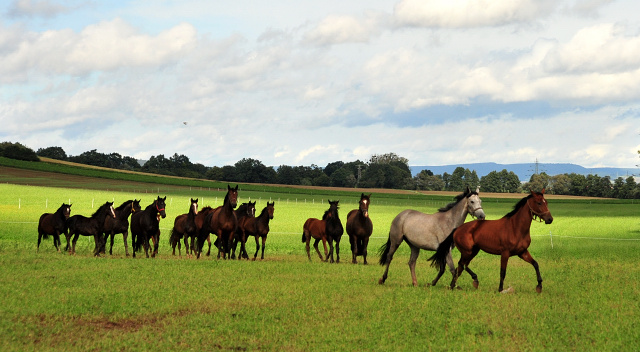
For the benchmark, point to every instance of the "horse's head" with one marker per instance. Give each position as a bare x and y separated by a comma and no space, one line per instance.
270,209
364,204
538,206
135,206
160,205
474,204
232,195
251,209
66,210
194,206
110,211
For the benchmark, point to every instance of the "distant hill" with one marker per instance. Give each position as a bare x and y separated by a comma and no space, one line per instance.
524,171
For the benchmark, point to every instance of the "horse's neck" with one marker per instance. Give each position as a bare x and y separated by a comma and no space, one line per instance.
522,219
227,208
263,218
124,213
459,213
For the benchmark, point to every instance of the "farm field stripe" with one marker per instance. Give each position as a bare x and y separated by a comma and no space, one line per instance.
591,238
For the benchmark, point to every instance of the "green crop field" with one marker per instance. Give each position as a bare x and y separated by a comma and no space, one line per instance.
52,301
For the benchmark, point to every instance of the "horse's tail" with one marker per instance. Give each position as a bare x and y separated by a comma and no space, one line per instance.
137,244
439,259
173,238
304,238
384,251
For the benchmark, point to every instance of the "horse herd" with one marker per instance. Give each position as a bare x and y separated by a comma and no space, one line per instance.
438,232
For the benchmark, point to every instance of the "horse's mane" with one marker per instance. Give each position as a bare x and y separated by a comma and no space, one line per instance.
123,205
103,207
457,198
326,213
61,209
206,208
265,209
518,205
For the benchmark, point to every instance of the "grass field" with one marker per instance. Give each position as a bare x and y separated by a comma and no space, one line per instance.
52,301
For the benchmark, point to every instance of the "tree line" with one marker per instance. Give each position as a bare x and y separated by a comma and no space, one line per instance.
380,171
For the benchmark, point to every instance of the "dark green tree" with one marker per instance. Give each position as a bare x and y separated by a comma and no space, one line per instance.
53,153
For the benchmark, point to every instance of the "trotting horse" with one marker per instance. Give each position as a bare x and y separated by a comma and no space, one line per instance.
120,224
318,229
54,224
145,225
245,210
184,226
505,237
258,227
427,231
360,228
82,225
222,222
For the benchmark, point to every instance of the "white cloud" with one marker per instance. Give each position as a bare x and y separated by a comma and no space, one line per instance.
336,29
470,13
35,8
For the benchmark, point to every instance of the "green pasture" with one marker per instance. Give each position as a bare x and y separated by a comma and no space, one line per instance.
52,301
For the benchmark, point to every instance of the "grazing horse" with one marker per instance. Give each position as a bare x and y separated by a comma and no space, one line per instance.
258,227
505,237
222,222
54,224
360,228
184,226
120,224
427,231
82,225
320,230
245,210
145,225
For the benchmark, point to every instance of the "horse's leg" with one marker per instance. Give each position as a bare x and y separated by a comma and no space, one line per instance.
393,247
113,235
504,259
337,251
415,252
354,249
133,244
39,239
526,256
315,245
67,236
186,245
75,239
365,244
264,240
56,241
324,243
209,250
307,245
255,255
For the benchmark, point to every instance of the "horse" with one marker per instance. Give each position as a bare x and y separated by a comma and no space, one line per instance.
318,229
334,232
360,228
199,220
54,224
222,222
145,224
505,237
427,231
184,226
82,225
258,227
120,224
245,210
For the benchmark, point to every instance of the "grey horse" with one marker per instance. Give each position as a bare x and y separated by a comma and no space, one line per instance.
426,231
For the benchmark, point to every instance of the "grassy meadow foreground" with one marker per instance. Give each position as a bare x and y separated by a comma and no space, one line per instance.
52,301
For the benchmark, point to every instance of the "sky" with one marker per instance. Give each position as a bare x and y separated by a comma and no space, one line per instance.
311,82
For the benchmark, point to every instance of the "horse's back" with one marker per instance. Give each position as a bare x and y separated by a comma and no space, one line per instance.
315,227
425,231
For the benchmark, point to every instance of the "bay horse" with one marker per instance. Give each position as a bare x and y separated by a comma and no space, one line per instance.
53,225
360,228
120,224
505,237
318,229
258,227
245,210
145,225
92,226
184,226
427,231
199,220
222,222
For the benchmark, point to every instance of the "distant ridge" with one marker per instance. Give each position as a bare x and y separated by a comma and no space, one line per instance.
524,171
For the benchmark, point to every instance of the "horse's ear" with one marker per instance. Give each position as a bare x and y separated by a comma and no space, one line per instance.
468,190
542,191
362,195
369,195
478,189
530,190
165,198
235,189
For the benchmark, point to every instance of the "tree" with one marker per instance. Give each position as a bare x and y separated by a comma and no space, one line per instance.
537,182
53,153
340,177
461,178
322,180
287,175
561,184
427,181
254,171
215,173
332,167
17,151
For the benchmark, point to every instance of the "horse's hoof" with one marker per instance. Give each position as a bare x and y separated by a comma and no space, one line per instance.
381,282
475,284
539,289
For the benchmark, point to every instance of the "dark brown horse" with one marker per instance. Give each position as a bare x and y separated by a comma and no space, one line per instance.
505,237
92,226
360,228
321,230
54,224
145,225
184,226
202,215
222,222
245,210
120,224
258,227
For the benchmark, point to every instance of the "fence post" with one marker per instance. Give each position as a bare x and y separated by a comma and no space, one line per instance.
18,203
551,237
